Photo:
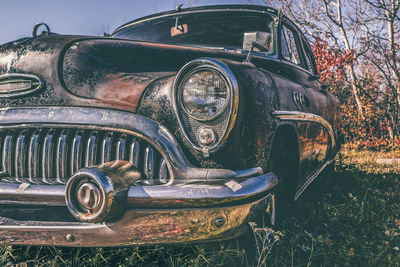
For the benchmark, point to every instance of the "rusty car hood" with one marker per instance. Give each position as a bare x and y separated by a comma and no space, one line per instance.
94,71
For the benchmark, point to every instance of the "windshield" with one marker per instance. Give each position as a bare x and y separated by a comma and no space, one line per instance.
207,29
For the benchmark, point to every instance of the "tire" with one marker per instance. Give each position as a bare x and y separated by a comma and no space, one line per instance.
282,162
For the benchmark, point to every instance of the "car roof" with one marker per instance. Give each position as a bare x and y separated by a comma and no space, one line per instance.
211,8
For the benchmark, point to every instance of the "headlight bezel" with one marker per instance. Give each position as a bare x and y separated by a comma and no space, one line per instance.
228,114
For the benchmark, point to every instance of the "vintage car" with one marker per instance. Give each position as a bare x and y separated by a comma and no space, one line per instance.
181,126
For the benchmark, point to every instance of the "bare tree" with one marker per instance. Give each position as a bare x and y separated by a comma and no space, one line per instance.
381,30
328,19
333,10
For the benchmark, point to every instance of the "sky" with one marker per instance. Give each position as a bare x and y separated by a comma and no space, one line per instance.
87,17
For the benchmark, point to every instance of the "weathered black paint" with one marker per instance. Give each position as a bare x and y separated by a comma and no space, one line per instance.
83,71
137,78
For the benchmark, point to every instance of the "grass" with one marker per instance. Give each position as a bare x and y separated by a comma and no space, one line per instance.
348,218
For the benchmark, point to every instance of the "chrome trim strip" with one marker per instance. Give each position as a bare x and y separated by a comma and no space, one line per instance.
311,179
308,117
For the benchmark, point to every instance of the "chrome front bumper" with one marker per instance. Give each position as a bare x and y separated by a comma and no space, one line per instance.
197,204
177,213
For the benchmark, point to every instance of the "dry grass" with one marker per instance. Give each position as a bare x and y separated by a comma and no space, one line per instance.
348,218
368,161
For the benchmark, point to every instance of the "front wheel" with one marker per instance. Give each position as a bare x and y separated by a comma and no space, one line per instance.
283,163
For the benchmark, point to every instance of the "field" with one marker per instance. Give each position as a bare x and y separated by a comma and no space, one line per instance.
347,218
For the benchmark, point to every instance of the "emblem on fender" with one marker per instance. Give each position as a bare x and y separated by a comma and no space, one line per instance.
17,84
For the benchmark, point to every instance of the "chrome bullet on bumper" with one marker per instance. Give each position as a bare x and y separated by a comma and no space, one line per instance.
184,211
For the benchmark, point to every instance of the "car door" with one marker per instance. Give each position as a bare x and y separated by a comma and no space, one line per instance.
301,89
318,133
291,92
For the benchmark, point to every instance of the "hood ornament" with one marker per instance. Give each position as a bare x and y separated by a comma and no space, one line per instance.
36,28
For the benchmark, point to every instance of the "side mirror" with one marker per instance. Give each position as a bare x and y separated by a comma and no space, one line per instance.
257,41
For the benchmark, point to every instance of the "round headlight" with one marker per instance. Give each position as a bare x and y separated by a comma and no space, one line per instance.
204,94
206,103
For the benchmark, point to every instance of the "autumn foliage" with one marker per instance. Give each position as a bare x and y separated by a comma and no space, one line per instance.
331,63
374,132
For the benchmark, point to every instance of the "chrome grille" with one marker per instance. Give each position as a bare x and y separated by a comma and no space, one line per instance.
52,155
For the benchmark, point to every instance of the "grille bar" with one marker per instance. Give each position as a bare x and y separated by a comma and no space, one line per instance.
149,163
52,155
106,149
61,158
47,158
120,154
7,154
76,154
134,152
33,157
20,157
90,158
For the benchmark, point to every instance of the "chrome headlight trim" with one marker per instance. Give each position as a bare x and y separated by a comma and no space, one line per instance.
232,103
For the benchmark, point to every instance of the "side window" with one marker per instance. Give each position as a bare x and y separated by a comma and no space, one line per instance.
290,50
308,56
